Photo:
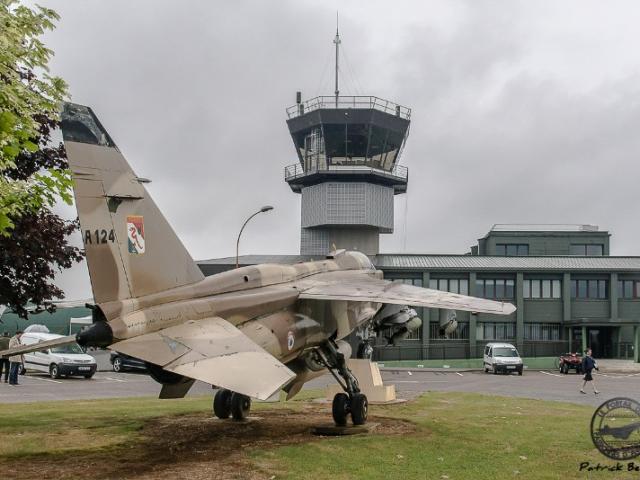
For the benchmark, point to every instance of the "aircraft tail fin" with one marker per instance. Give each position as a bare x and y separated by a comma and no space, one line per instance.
131,249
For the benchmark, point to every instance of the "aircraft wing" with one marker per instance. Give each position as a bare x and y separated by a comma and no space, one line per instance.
35,347
213,351
364,288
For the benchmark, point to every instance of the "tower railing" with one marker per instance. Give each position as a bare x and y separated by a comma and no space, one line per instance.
291,172
356,102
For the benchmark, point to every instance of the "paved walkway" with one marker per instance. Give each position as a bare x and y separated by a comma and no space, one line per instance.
626,366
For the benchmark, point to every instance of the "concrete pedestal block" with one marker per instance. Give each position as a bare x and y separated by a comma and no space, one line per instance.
370,381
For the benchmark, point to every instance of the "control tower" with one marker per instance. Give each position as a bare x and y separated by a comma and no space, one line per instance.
347,171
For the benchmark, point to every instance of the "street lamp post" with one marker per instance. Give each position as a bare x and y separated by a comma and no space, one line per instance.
264,209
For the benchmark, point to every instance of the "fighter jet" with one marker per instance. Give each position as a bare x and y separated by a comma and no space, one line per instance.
250,332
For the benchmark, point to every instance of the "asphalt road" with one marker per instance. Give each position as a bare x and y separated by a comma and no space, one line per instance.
535,384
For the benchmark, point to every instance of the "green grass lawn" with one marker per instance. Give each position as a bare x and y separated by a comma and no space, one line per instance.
456,436
459,436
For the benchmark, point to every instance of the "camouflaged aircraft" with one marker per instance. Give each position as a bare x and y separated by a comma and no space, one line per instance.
249,332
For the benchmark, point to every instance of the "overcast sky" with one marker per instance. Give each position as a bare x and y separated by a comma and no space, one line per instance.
522,112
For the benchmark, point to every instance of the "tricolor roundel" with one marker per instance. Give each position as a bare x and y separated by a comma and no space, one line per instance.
135,234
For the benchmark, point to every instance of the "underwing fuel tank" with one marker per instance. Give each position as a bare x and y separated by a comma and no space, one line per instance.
401,320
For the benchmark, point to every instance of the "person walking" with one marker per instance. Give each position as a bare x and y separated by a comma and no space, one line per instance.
4,362
15,361
588,364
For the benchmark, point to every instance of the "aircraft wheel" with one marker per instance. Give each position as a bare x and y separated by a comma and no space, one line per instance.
359,409
222,403
240,405
340,409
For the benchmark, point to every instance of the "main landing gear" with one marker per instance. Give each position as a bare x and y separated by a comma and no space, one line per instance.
352,402
227,403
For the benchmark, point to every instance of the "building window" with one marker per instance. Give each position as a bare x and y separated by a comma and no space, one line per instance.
495,288
461,333
592,289
546,332
542,288
417,282
453,285
512,249
495,331
629,289
590,250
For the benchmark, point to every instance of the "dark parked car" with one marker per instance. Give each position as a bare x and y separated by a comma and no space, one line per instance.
569,361
122,362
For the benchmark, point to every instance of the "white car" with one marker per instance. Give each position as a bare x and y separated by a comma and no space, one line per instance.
502,357
65,360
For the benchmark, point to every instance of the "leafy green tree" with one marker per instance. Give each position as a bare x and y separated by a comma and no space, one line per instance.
28,94
33,173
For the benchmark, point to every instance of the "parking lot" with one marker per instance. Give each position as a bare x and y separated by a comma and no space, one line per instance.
543,385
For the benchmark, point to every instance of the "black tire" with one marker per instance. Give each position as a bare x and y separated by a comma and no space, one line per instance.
240,406
117,365
495,370
520,371
54,372
23,371
222,404
340,409
359,409
89,376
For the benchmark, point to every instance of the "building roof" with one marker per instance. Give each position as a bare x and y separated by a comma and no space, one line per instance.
462,262
539,227
473,262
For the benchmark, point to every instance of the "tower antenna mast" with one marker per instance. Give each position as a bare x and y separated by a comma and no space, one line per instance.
337,42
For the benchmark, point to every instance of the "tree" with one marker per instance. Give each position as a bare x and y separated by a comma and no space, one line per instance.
33,173
28,96
29,257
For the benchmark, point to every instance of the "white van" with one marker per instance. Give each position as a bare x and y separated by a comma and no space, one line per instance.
502,357
57,361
